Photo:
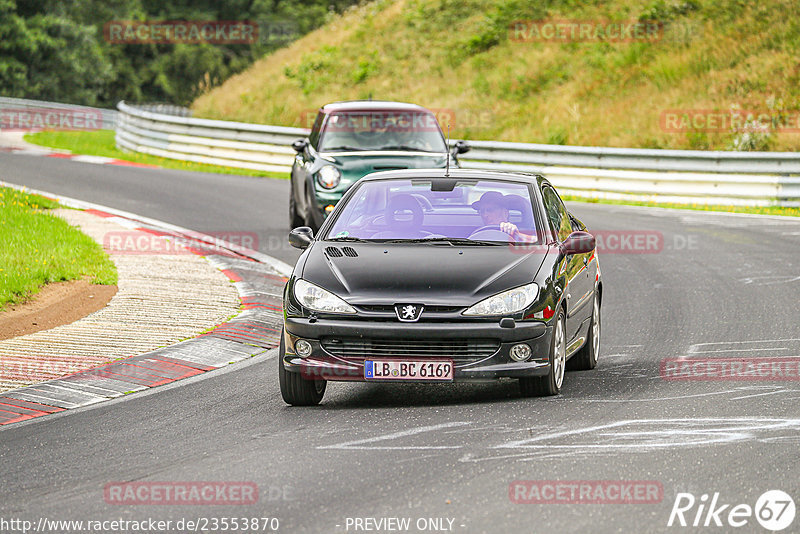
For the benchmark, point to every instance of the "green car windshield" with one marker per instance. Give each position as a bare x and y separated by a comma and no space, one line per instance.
382,130
477,211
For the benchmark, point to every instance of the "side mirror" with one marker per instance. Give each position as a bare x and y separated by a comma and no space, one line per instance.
301,237
578,243
461,147
299,145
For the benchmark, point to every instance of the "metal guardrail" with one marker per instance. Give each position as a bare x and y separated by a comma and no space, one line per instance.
684,176
109,115
233,144
165,109
637,158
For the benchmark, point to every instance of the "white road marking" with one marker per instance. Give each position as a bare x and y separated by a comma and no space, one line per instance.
739,350
92,159
685,432
761,394
772,280
361,444
660,399
695,347
644,435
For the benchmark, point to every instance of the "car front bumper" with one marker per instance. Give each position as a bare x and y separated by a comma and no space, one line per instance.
325,363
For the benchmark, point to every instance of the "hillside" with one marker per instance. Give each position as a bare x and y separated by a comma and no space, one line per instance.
461,57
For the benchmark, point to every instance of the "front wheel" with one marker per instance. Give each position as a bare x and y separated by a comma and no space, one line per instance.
550,384
586,358
296,390
295,220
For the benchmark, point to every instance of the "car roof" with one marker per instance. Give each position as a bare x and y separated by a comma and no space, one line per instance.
457,173
371,105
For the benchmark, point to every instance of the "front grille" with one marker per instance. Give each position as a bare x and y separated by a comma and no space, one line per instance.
457,349
388,308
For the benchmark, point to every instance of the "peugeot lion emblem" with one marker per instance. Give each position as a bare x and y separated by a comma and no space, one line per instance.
408,313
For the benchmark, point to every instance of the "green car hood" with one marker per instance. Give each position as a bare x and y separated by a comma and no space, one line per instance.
357,164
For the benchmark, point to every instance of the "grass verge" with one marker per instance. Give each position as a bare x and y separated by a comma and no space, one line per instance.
101,143
481,66
37,248
755,210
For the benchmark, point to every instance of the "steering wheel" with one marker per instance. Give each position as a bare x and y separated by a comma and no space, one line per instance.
488,227
368,135
490,232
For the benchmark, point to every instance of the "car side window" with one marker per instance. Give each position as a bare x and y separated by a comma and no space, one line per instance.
557,213
313,137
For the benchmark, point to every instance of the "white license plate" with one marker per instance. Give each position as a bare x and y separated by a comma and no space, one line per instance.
408,369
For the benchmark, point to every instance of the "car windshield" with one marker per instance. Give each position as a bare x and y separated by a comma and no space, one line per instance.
382,130
438,211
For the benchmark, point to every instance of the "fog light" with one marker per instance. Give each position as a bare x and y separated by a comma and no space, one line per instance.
520,352
302,348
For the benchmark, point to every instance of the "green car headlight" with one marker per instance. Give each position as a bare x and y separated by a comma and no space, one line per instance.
329,177
510,301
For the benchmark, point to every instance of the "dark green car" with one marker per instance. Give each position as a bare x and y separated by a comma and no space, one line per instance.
352,139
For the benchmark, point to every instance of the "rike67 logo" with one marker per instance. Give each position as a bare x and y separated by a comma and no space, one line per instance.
774,510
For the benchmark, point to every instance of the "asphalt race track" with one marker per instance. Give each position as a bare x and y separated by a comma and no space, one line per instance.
711,286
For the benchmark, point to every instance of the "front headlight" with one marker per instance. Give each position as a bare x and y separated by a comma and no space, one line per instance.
315,298
329,177
510,301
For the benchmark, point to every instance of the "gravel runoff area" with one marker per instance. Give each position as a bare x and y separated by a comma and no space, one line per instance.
163,298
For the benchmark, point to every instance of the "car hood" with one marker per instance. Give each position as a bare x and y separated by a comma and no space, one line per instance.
362,163
420,273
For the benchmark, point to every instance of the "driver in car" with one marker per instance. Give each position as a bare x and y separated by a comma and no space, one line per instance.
493,210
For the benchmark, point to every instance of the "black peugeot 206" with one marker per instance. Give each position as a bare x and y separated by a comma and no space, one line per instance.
430,275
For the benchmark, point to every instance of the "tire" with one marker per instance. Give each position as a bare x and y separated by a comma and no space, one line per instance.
308,218
295,220
309,221
296,390
586,358
550,384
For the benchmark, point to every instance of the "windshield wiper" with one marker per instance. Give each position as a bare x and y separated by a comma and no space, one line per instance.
403,147
348,238
448,240
343,147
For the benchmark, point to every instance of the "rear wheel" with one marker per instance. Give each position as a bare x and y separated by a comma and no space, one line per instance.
550,384
296,390
586,358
